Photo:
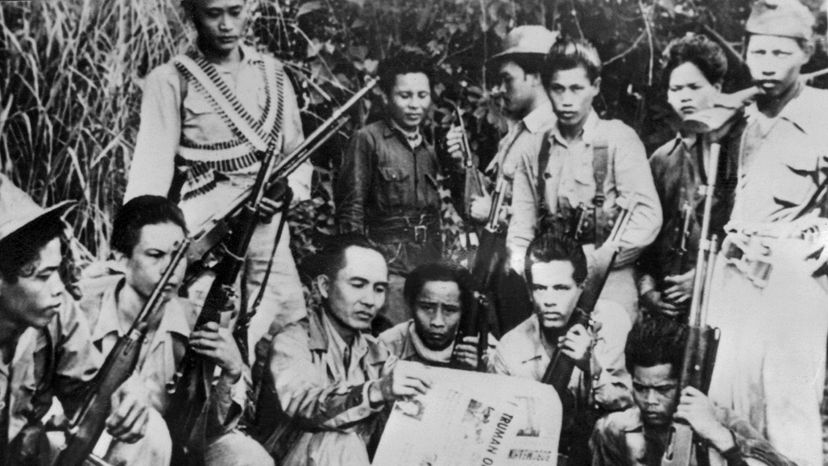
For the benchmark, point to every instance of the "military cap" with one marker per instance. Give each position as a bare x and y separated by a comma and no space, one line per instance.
20,215
785,18
527,40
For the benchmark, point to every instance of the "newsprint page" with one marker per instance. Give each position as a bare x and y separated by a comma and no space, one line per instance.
413,232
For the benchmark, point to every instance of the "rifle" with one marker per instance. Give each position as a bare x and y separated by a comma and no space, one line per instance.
702,340
474,181
475,321
677,263
89,421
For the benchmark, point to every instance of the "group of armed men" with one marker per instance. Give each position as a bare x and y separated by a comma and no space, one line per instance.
315,384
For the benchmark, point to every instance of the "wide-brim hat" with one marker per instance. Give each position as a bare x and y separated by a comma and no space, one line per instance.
20,215
531,39
784,18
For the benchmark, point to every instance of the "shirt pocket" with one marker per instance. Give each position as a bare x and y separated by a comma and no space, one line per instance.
393,186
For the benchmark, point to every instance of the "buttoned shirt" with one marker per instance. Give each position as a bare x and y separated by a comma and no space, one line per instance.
621,439
58,360
404,343
678,176
570,180
521,353
317,389
162,349
781,158
173,111
382,176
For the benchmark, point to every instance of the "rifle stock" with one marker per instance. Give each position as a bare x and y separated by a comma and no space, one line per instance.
90,420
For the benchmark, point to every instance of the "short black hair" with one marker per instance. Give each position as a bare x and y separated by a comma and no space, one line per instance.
530,63
139,212
550,246
18,252
697,49
404,61
437,272
568,54
656,340
331,258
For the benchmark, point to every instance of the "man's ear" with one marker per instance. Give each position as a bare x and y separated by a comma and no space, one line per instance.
597,84
323,284
718,86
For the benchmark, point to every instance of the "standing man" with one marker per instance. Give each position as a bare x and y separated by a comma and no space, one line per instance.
206,118
387,185
769,297
45,345
145,234
639,435
438,295
332,378
695,67
598,165
526,102
555,272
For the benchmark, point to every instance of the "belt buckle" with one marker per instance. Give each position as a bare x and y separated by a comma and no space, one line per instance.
420,234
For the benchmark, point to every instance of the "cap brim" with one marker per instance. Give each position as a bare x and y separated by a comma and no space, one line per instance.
42,220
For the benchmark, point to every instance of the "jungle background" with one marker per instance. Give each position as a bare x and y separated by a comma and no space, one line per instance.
72,71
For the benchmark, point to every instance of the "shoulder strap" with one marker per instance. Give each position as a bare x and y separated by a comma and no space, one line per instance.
543,162
600,160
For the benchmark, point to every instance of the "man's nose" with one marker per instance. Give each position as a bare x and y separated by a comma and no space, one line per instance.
438,320
224,23
652,397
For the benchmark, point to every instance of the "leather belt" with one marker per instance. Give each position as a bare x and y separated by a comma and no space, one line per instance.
409,229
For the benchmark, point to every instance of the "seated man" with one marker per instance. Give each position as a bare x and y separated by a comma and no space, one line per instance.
331,377
556,268
45,345
145,234
638,436
438,294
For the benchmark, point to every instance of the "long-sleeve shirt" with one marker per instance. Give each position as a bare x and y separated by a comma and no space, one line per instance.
58,360
621,439
521,353
174,112
322,384
569,179
678,175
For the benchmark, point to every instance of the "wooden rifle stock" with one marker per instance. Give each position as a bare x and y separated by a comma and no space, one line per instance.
474,181
702,340
90,420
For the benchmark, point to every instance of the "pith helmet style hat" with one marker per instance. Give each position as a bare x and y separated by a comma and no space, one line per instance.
785,18
19,214
527,39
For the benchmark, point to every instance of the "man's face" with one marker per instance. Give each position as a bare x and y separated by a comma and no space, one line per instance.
35,299
358,291
554,292
151,256
409,100
517,89
220,24
654,391
774,62
689,90
437,313
572,94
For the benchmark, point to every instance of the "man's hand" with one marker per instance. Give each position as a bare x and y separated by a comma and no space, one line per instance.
217,343
576,344
130,412
268,208
454,145
406,379
465,352
653,302
480,207
681,287
696,409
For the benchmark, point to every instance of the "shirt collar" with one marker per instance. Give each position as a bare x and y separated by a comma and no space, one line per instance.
174,319
587,133
799,111
249,55
537,120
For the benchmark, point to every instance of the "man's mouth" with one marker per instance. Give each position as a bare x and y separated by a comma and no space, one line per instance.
227,39
566,115
688,109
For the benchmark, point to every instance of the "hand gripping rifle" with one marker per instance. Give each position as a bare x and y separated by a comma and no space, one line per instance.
702,340
474,182
89,421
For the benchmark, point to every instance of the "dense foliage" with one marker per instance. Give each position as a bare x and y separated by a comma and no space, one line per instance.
72,72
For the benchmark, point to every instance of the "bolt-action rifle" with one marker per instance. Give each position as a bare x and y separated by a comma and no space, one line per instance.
89,421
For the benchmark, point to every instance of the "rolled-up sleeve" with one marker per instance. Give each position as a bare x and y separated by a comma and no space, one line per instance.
305,394
612,385
524,211
634,184
153,162
353,183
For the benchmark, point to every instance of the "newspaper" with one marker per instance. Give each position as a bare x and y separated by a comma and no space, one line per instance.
469,418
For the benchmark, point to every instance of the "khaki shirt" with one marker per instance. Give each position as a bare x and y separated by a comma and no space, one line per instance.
521,353
58,360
